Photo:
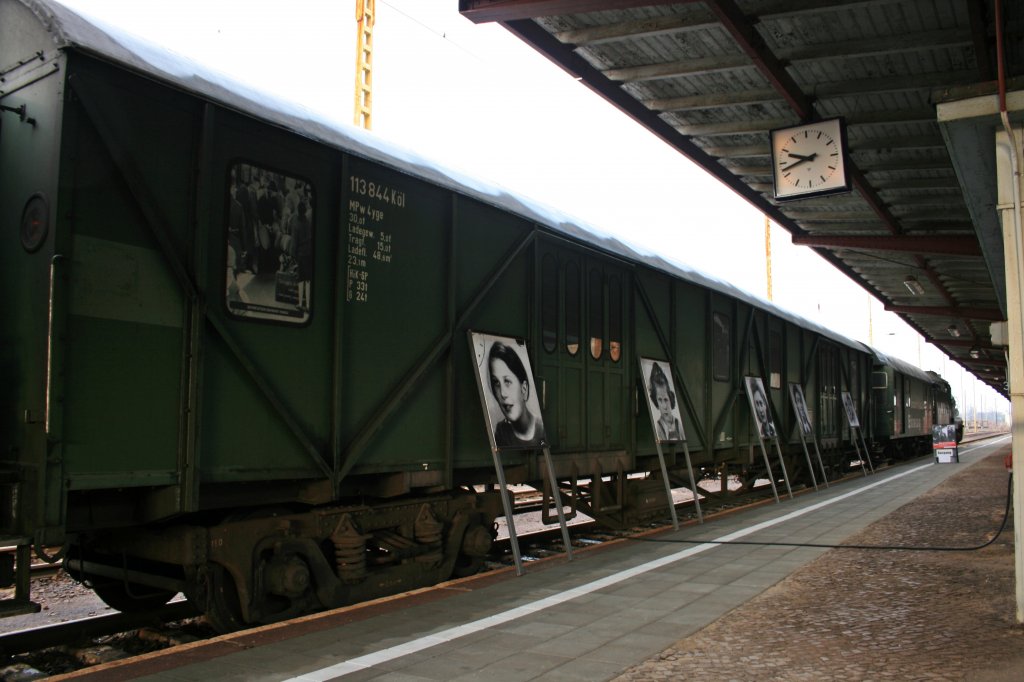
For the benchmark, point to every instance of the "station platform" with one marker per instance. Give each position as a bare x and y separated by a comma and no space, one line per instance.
659,608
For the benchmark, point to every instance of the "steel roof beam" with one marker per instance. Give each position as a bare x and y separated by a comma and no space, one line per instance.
482,11
644,28
692,67
733,127
857,49
876,144
713,101
966,313
967,343
864,118
944,182
929,82
952,244
984,362
750,43
891,165
941,199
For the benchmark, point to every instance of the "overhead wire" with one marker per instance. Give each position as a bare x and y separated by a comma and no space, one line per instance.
440,34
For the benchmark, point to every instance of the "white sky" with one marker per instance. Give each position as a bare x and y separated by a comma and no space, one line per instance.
475,98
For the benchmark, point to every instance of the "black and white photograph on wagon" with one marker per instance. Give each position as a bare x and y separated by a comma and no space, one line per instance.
509,392
759,407
806,431
661,400
761,413
851,411
512,411
667,425
851,418
269,245
796,396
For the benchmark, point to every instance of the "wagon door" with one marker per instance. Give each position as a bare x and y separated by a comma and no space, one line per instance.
828,380
561,354
605,355
583,350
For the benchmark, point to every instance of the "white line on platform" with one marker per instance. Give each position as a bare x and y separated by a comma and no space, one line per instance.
391,653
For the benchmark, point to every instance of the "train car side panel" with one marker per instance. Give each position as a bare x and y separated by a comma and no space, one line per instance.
269,355
494,287
30,490
692,353
125,313
724,343
397,283
652,321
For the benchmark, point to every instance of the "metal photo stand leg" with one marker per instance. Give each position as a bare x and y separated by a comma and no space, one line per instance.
867,454
859,456
558,502
817,453
785,475
693,483
668,486
509,518
807,454
768,466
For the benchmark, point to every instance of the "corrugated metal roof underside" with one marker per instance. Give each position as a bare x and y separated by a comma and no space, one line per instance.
722,74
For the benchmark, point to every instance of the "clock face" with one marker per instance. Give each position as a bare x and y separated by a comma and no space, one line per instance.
809,160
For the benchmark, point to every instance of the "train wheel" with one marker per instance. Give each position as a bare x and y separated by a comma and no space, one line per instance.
222,608
476,543
467,565
130,597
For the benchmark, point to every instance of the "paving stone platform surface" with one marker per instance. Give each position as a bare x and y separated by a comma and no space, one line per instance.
860,614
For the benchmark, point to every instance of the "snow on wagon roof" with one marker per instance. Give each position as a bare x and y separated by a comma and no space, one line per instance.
77,30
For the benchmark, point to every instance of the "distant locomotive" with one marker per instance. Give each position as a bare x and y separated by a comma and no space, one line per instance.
235,360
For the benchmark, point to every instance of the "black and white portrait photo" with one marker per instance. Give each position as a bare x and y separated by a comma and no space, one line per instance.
508,390
796,396
661,400
944,436
269,245
851,412
759,407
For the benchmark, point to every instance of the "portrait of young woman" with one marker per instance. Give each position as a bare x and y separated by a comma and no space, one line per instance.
509,391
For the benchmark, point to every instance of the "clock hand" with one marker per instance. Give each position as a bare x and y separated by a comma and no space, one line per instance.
800,159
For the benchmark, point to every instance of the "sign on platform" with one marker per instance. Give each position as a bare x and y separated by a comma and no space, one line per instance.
944,444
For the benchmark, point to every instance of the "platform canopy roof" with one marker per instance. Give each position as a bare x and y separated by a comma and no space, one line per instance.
916,82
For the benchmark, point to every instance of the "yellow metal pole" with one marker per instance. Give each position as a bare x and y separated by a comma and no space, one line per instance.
365,13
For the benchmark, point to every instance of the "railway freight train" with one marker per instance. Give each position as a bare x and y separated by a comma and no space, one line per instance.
238,359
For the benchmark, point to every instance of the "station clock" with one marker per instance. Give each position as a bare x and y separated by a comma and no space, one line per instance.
809,160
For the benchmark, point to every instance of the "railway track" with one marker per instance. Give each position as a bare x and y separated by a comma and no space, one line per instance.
60,634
